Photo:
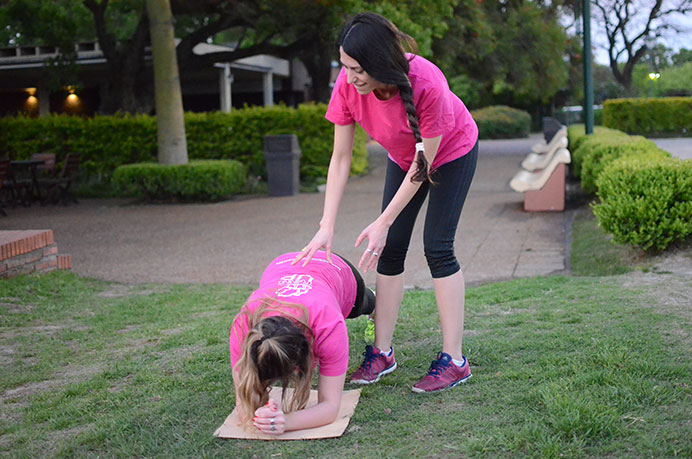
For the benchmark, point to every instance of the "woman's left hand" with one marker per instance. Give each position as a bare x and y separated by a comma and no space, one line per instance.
376,234
270,419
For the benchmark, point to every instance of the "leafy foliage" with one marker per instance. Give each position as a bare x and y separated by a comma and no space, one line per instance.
650,117
646,202
513,51
107,142
202,180
502,122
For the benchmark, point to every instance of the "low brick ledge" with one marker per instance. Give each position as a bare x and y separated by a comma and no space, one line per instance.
29,251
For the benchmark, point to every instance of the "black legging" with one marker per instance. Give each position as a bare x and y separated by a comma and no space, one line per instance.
447,196
365,299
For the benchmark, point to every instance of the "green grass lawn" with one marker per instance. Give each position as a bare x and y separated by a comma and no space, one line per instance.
563,366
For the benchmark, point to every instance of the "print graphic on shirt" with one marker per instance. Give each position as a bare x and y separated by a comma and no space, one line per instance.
294,285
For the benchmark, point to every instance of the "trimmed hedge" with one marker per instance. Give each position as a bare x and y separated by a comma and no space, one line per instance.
199,180
576,134
646,202
107,142
658,117
597,154
502,122
644,195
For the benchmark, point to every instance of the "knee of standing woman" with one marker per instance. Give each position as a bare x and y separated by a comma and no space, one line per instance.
442,263
391,261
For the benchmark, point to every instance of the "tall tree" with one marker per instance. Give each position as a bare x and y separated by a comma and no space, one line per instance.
303,29
504,52
628,23
172,146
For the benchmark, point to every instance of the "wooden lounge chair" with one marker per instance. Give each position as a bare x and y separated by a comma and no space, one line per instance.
58,187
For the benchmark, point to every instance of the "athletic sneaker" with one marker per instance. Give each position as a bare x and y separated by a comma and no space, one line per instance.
443,374
374,366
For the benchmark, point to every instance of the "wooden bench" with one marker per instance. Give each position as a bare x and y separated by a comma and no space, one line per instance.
544,189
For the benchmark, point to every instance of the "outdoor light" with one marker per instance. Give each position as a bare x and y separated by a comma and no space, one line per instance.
654,76
31,91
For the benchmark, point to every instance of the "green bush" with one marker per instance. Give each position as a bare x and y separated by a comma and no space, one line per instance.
502,122
199,180
607,150
650,117
580,144
107,142
646,202
576,134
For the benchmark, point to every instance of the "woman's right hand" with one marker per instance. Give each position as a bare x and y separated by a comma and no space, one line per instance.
321,240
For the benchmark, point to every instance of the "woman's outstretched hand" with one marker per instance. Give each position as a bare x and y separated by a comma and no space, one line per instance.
376,234
321,240
270,419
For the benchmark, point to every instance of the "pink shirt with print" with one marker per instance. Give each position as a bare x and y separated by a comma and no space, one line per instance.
327,291
440,112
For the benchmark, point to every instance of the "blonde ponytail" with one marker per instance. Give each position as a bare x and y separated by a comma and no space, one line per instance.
277,348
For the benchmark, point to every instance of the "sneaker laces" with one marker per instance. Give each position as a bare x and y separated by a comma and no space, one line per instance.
437,367
370,357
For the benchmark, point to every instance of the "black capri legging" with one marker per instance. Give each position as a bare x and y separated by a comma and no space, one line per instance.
365,299
447,195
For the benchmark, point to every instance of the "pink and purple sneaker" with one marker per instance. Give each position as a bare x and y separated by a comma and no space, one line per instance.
443,374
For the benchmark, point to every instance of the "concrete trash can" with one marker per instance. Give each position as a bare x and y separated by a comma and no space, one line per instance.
282,156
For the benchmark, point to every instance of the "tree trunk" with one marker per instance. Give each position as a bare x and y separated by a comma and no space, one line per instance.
170,123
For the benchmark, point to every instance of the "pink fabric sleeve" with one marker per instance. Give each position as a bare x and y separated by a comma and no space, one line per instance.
435,109
332,351
237,334
338,111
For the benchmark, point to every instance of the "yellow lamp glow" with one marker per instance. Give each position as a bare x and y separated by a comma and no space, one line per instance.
654,76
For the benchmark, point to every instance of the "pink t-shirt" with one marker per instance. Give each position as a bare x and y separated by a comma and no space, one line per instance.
440,112
328,292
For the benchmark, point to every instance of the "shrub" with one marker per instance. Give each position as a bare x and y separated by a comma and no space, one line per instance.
502,122
646,202
580,144
650,117
608,149
107,142
200,180
576,133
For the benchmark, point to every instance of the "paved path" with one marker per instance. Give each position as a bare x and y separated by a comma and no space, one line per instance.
232,241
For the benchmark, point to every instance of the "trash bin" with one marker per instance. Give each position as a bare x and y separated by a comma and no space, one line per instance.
282,157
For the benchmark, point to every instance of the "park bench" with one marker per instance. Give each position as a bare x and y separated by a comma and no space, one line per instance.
546,144
544,189
542,178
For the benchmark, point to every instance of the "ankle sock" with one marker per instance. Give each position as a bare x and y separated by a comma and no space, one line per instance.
387,354
459,363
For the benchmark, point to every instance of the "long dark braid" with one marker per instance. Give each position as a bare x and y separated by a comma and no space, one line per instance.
421,174
378,46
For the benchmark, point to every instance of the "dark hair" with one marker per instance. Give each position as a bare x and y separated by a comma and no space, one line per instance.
378,46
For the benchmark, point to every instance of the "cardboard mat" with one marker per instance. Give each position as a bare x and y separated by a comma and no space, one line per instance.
349,399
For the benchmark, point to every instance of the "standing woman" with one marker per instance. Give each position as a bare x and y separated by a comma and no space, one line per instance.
403,102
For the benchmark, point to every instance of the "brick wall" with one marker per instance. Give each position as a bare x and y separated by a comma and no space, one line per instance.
30,251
